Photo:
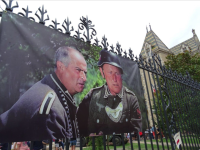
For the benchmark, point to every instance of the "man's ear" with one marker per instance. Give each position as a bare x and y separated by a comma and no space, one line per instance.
101,70
59,66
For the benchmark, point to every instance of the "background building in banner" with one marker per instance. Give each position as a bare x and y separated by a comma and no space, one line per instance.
154,45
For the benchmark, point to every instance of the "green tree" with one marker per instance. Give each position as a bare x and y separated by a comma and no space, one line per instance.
181,101
185,62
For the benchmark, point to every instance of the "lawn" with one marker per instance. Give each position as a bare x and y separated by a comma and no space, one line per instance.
135,147
149,147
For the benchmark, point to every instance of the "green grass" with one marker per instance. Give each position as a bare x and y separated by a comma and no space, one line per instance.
135,147
189,139
149,147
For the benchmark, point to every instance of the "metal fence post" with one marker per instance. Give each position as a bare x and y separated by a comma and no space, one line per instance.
67,143
50,144
31,147
9,145
93,143
104,141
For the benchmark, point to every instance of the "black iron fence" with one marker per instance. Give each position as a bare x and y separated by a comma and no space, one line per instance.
172,100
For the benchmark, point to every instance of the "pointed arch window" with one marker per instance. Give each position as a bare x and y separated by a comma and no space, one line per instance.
147,48
184,47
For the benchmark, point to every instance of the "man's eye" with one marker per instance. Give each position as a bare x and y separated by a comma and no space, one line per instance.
118,74
78,70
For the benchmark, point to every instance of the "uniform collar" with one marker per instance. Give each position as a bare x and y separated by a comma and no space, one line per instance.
60,85
58,81
107,92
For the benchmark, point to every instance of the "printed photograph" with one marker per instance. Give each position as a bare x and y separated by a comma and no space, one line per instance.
56,86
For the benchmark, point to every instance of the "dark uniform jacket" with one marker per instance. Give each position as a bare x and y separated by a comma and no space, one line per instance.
101,111
45,111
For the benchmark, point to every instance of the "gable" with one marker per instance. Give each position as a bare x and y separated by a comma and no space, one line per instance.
190,43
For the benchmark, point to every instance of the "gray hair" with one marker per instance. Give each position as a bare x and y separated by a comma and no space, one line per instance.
62,55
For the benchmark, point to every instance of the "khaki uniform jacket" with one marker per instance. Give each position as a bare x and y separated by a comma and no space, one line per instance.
93,116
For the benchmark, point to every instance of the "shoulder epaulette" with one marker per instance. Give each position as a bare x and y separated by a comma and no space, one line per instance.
47,103
92,90
97,88
129,91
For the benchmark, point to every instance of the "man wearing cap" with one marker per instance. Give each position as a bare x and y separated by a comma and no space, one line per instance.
111,108
47,110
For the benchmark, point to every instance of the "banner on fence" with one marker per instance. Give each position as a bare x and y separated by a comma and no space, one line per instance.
55,86
177,139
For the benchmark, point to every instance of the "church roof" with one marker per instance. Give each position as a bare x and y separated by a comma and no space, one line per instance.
154,41
190,43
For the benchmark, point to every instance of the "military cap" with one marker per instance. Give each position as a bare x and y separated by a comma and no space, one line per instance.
107,57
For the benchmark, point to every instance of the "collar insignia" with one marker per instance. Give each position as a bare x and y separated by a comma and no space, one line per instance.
107,92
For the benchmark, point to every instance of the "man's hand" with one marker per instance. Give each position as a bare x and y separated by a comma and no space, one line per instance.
100,133
94,134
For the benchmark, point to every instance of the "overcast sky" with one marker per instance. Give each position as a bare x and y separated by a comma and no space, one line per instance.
125,21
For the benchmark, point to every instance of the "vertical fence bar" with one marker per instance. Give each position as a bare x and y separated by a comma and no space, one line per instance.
179,84
81,143
154,102
141,67
190,125
31,147
138,138
114,143
196,109
172,91
67,143
104,141
150,108
170,102
9,145
180,108
180,116
50,144
194,115
159,107
131,141
187,122
122,135
185,96
165,114
93,143
185,125
145,140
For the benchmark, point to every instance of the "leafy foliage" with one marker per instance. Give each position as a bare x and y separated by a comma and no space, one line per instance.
98,142
185,62
181,102
28,55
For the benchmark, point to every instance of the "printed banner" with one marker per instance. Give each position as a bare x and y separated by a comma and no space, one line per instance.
56,86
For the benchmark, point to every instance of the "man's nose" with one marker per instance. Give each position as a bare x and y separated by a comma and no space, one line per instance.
83,76
114,77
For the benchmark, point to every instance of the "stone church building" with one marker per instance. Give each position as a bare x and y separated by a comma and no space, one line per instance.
154,45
